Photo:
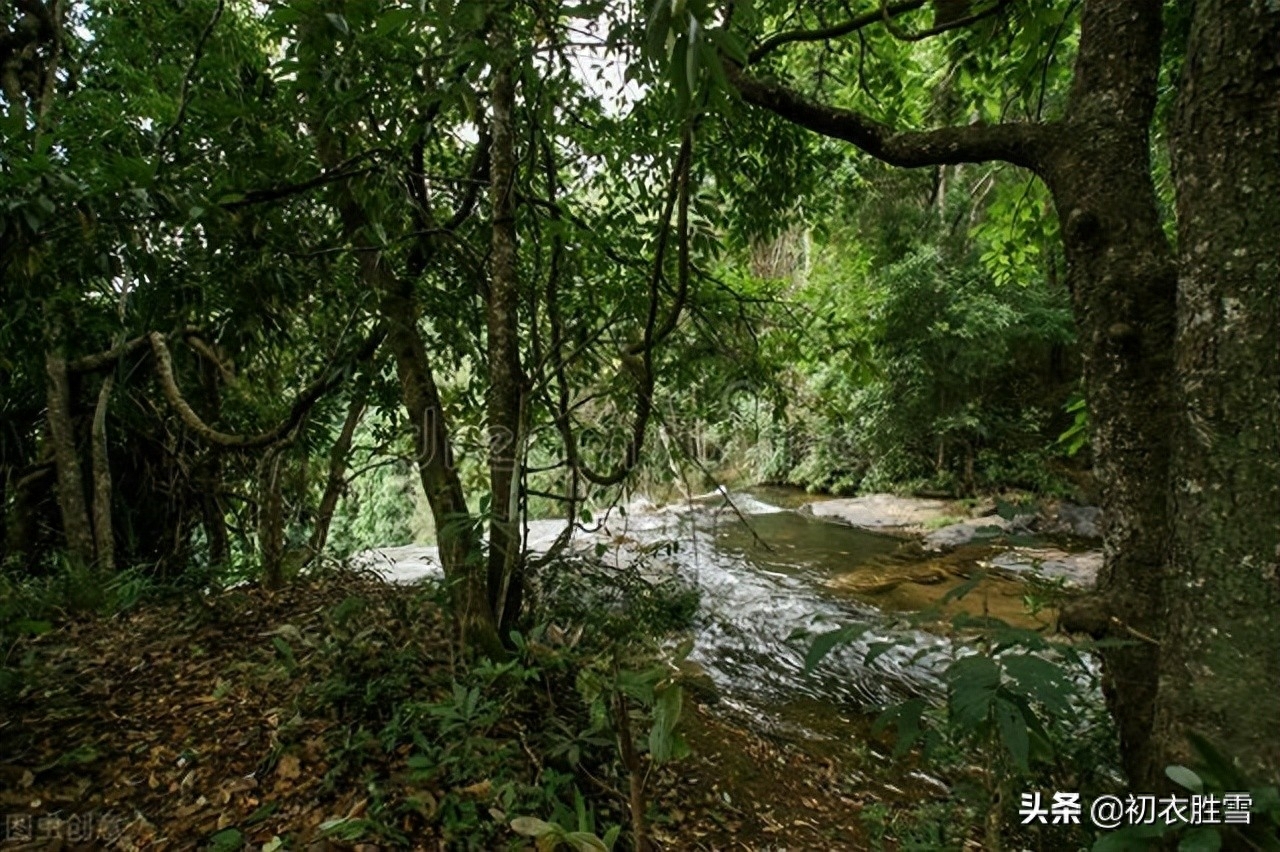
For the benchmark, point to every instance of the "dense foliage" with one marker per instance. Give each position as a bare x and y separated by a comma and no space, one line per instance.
285,281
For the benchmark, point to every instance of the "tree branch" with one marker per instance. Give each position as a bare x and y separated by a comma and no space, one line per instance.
1020,144
205,350
886,15
184,95
309,396
275,193
852,25
102,360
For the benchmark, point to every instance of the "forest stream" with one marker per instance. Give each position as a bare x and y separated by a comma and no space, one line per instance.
773,569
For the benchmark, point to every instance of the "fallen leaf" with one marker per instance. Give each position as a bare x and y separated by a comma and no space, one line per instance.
479,790
289,767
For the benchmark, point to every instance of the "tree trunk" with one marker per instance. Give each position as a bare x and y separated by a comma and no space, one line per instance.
461,555
103,533
337,479
22,521
457,535
71,498
1122,279
505,384
1197,598
1220,673
271,521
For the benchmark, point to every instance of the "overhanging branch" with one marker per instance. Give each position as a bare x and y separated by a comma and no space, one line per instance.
1017,143
322,385
852,25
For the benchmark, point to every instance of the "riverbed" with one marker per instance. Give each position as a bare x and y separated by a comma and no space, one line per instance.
771,576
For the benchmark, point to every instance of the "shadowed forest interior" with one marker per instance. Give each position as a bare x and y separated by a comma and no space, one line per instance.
594,425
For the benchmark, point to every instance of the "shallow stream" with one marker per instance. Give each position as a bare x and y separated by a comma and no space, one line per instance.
764,573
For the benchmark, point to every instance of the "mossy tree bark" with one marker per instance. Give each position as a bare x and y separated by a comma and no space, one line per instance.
1220,672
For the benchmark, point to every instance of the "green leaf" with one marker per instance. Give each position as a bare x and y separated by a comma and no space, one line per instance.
1219,768
1201,839
666,715
1038,680
339,22
659,24
876,650
1184,777
1013,732
584,842
974,681
964,588
393,20
906,718
1266,800
261,813
730,45
691,55
227,840
285,652
532,827
823,643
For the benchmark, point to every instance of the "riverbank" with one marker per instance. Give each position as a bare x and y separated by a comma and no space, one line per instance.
222,723
334,714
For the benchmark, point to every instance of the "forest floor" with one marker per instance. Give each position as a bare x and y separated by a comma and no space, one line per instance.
237,720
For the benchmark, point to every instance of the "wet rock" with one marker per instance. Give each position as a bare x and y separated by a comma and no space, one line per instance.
965,532
1079,570
1079,521
935,586
884,512
874,582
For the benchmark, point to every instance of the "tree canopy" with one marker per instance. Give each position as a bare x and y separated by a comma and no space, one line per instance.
278,276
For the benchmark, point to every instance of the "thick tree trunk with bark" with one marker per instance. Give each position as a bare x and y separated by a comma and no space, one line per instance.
1095,161
1220,671
456,532
1122,280
458,538
1189,466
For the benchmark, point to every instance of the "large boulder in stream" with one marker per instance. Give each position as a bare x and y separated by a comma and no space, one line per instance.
1076,570
883,512
966,532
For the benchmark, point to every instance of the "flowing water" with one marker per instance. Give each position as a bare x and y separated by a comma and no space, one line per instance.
763,574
